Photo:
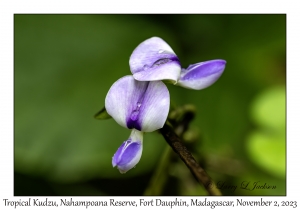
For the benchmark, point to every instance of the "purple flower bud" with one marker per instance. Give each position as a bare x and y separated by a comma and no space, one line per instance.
129,153
201,75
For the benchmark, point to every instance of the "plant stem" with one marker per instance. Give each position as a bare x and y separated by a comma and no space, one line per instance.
175,142
180,119
159,177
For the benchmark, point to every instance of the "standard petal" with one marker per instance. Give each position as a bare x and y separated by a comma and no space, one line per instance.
122,100
129,153
140,105
155,106
154,60
201,75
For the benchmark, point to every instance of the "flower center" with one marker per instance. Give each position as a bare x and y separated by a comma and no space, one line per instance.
135,113
134,116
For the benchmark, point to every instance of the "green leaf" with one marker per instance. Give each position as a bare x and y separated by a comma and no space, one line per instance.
268,109
268,152
266,146
102,114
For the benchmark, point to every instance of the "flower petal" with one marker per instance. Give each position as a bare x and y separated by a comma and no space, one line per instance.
155,106
140,105
201,75
129,153
154,60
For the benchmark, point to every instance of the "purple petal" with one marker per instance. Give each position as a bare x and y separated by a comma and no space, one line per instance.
129,153
154,60
140,105
118,153
201,75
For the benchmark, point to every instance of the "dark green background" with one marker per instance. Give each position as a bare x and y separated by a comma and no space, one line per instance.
65,64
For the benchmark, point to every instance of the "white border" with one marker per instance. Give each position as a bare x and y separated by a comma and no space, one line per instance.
10,7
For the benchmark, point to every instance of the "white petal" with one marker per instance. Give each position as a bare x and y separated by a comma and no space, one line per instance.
156,106
140,105
154,60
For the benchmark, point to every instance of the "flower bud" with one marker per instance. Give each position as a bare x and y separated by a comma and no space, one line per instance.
129,153
201,75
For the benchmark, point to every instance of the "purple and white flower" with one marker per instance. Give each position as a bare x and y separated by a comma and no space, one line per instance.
141,102
142,106
154,60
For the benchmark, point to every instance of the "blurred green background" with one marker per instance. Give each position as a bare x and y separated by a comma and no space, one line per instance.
65,64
